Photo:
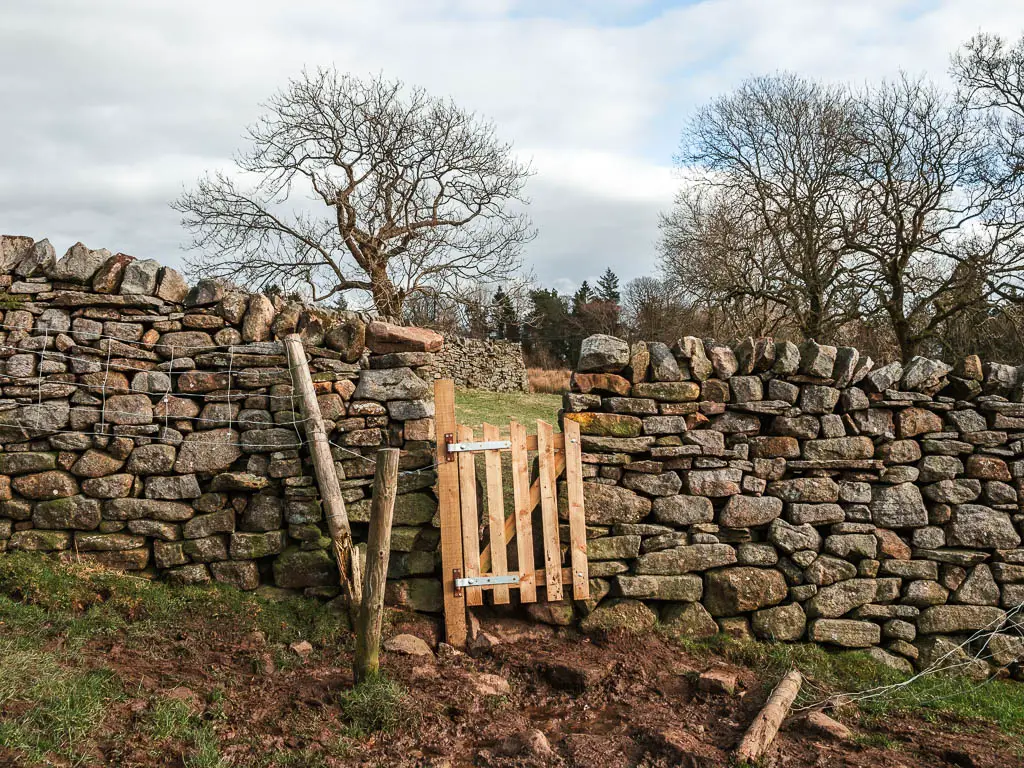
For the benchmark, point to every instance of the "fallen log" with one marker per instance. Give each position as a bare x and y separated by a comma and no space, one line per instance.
762,731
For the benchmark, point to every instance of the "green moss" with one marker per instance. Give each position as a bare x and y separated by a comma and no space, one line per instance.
9,301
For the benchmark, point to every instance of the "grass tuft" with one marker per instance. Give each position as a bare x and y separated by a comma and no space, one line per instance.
174,720
376,705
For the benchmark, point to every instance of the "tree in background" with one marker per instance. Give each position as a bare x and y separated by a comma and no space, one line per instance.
416,197
927,211
504,318
891,216
760,221
653,310
545,339
608,287
582,296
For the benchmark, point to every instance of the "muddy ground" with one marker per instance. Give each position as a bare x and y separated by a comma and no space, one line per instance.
608,701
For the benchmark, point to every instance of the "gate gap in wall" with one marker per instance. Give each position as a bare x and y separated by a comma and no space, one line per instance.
515,545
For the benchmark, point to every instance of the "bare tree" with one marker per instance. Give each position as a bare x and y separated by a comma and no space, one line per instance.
652,309
764,213
930,209
725,267
991,73
421,196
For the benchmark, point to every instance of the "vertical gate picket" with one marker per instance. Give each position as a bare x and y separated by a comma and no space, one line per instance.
448,507
496,515
470,520
523,513
577,519
549,511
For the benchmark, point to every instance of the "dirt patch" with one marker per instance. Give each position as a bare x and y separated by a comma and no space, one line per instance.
572,701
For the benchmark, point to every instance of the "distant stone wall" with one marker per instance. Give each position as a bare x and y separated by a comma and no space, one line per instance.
801,493
496,366
147,425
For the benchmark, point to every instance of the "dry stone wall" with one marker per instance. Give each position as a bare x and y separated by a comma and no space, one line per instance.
493,365
802,493
148,425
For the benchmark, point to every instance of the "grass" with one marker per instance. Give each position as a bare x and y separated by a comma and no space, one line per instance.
174,720
474,407
375,705
553,382
41,600
53,706
997,701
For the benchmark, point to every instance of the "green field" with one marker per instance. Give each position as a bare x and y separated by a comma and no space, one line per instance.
474,407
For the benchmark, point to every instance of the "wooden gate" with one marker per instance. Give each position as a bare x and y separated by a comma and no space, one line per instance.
467,570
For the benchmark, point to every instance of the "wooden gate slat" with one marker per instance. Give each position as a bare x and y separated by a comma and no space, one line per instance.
496,515
470,520
523,513
510,521
577,520
451,518
549,511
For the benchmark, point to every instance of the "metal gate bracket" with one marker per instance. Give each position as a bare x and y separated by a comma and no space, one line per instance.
492,445
485,581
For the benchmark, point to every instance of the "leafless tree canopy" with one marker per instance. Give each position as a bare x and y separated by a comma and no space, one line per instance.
421,197
818,210
761,221
928,208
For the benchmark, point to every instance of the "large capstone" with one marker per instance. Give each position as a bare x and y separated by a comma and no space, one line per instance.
603,354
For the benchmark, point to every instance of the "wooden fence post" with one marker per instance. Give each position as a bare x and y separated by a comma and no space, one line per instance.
378,551
326,476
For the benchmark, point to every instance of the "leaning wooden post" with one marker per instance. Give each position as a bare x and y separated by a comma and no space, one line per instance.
378,551
323,467
761,733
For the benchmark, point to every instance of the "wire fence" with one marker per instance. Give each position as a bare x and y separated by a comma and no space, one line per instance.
105,427
969,654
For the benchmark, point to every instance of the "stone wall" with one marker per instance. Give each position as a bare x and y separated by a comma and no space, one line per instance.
147,425
496,366
801,493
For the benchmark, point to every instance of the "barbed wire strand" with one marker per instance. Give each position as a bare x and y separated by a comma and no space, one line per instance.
197,395
93,336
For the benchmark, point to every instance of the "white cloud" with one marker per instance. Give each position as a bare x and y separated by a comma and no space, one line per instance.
111,106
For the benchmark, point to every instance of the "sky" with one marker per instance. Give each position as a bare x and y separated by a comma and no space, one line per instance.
111,108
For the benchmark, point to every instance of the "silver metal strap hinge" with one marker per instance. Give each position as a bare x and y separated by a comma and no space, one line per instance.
492,445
